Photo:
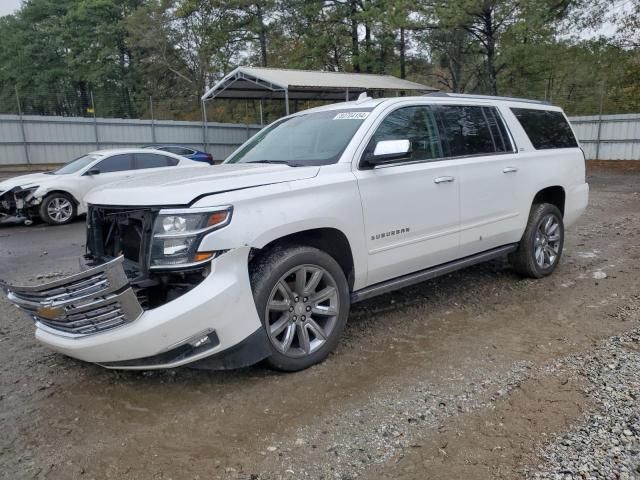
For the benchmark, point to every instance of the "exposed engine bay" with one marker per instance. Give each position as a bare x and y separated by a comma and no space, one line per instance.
19,205
127,232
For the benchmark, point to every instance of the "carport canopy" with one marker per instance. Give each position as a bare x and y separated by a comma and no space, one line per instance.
275,83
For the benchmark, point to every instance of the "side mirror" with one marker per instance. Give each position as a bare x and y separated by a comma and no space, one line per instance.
93,171
389,150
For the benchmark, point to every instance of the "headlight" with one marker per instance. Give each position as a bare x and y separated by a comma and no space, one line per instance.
25,192
177,234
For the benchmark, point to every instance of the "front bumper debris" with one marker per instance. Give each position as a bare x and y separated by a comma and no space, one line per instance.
18,205
91,302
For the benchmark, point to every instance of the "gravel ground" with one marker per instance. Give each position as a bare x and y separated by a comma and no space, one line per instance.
606,442
476,375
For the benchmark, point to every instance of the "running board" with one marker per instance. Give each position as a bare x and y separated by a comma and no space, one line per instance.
429,273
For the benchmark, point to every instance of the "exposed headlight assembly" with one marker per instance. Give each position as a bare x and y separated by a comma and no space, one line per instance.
177,234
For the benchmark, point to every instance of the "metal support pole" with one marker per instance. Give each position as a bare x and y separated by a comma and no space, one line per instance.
261,115
204,125
95,122
153,121
346,95
600,122
286,100
22,130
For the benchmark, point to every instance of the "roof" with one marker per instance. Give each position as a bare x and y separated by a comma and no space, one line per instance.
256,82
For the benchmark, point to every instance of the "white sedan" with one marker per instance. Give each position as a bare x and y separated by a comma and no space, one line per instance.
57,197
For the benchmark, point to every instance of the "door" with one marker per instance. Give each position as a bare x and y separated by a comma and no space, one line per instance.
488,169
411,206
111,169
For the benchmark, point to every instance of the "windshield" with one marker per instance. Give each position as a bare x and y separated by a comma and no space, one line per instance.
75,165
310,139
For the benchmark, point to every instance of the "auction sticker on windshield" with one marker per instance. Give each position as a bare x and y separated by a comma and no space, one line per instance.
351,116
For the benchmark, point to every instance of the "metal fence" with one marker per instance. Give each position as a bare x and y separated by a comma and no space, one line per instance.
609,137
44,140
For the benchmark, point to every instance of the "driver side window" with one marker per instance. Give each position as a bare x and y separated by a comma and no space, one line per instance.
416,124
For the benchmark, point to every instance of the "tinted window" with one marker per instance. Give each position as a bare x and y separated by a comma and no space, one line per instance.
117,163
498,130
416,124
466,130
546,129
153,160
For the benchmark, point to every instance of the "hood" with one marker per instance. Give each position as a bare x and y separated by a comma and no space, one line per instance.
181,186
26,181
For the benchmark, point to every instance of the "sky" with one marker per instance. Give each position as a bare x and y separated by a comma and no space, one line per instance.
9,6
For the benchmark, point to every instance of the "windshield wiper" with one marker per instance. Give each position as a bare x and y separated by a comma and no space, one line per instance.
281,162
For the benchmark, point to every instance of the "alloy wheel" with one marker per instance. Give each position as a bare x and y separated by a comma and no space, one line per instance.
547,241
60,209
302,310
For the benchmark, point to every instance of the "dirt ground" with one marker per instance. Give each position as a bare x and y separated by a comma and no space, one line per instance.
447,379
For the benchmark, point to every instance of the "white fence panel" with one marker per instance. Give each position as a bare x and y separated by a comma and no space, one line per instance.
53,140
610,137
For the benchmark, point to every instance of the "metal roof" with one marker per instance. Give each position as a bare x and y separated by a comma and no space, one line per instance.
255,82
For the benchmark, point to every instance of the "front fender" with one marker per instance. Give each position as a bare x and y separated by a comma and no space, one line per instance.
265,214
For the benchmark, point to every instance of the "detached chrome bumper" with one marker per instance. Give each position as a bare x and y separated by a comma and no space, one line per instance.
94,301
78,316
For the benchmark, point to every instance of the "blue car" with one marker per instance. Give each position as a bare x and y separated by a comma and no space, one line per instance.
190,153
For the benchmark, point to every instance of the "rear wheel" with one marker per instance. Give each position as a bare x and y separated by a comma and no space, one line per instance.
302,296
541,245
57,209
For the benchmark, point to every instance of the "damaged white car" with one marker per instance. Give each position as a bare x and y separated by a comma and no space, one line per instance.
262,257
57,197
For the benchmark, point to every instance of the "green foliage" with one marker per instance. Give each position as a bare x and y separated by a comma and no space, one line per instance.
64,56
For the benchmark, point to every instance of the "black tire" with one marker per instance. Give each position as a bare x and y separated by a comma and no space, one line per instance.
524,260
50,200
266,279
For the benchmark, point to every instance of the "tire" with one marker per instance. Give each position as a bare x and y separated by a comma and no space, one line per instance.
540,248
276,278
58,209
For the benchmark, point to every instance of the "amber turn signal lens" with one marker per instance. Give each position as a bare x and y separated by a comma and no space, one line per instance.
217,218
202,256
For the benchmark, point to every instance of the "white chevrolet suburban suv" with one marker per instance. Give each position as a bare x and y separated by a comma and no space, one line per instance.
262,257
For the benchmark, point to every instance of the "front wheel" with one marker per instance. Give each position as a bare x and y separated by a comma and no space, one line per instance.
541,245
57,209
302,297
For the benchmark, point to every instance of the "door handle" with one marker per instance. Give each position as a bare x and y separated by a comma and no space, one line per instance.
509,170
443,180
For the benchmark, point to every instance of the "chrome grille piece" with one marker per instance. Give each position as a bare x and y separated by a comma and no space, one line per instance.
90,302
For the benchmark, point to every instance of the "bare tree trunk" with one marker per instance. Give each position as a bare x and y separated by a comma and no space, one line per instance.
492,72
403,46
367,43
262,35
355,44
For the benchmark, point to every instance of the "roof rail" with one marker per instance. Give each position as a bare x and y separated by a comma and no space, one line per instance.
486,97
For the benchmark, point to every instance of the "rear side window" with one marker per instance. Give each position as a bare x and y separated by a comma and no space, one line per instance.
153,160
546,129
418,125
466,130
498,130
116,163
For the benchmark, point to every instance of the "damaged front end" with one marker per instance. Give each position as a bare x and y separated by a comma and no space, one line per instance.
128,232
19,205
